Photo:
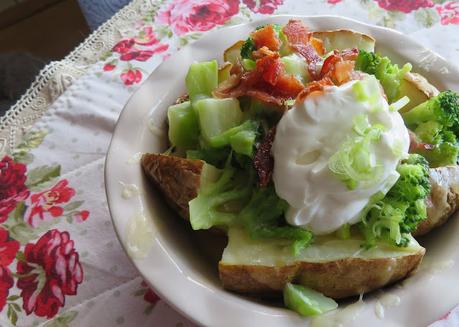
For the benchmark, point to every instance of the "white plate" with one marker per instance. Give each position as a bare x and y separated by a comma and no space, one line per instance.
175,268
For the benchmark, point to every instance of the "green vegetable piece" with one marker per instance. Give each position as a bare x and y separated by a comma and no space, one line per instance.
263,217
443,108
183,125
306,301
217,116
241,138
204,209
248,64
443,154
390,75
243,142
392,217
344,232
297,66
247,48
201,80
352,163
436,122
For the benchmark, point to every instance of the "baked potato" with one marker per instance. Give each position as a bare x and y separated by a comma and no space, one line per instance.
336,268
366,242
348,272
179,181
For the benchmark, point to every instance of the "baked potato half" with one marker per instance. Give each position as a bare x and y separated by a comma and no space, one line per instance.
179,180
337,268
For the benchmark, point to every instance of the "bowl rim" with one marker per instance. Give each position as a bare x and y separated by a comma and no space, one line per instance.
182,304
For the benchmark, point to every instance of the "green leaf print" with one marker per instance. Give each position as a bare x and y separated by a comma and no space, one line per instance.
42,174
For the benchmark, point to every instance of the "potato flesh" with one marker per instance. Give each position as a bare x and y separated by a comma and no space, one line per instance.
336,268
245,251
345,39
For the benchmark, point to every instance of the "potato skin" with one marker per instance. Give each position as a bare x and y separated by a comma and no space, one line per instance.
443,200
336,279
177,178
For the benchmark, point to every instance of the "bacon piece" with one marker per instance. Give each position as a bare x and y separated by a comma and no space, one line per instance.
296,32
227,85
343,71
270,68
313,87
350,54
265,97
288,86
318,44
300,40
263,52
266,36
263,161
339,66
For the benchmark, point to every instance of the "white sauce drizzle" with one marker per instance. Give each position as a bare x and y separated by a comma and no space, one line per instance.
135,159
155,130
140,236
384,302
129,190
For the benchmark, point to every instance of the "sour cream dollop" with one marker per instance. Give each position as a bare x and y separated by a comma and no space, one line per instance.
354,122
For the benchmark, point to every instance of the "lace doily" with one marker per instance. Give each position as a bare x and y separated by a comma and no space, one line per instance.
57,76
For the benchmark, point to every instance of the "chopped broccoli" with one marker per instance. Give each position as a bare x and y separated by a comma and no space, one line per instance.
436,122
247,48
390,75
205,209
394,216
263,218
443,109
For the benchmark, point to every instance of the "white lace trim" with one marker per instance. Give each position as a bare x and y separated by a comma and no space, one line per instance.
57,76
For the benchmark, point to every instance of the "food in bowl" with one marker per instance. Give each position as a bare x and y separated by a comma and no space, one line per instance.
317,157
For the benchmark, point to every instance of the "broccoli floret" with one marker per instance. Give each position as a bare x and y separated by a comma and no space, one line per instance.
205,209
436,122
442,154
260,213
247,48
443,109
397,214
263,218
390,75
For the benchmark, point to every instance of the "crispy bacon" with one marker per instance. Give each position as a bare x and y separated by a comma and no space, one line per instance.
339,66
224,87
311,56
263,52
314,87
318,44
270,68
343,71
263,161
288,86
266,36
296,32
350,54
300,40
266,97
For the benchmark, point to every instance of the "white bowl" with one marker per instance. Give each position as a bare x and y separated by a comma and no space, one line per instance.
173,265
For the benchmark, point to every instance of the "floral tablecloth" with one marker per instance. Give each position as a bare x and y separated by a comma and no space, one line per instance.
60,262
